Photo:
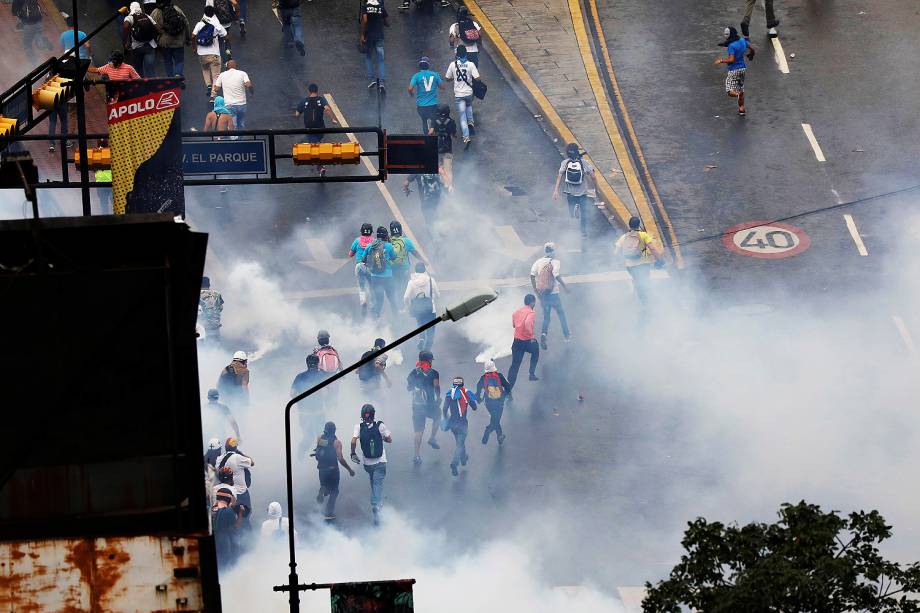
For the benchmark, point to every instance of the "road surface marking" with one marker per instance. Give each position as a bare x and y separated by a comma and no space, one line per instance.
851,225
806,127
766,240
611,198
615,276
322,257
905,335
513,246
631,132
779,55
632,598
397,214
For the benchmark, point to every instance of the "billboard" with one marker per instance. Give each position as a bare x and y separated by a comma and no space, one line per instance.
145,137
372,597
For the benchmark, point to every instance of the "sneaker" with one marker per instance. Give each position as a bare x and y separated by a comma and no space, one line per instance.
485,437
322,171
533,378
772,33
382,88
242,29
543,341
51,148
501,439
433,443
741,111
466,142
453,470
445,4
472,127
300,48
404,6
372,84
417,460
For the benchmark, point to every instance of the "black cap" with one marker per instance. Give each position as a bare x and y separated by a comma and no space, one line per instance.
382,233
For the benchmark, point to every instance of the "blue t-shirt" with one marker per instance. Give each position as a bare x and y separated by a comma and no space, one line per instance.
67,42
390,253
410,248
738,49
426,87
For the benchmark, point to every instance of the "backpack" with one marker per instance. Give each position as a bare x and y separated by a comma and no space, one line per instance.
546,280
431,185
142,28
493,385
328,359
469,33
440,130
421,304
574,172
30,12
399,246
205,36
173,24
632,245
227,380
420,394
371,440
247,476
375,257
313,112
225,11
367,371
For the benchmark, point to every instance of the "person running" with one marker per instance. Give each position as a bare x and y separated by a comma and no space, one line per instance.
374,18
372,434
524,342
737,67
220,118
207,34
466,32
578,173
176,36
419,298
233,383
429,187
424,85
314,109
446,130
227,13
329,360
139,33
289,14
640,251
403,247
378,257
546,279
241,465
62,111
424,384
457,403
310,409
358,247
234,84
772,21
494,389
328,454
210,307
371,374
29,14
462,72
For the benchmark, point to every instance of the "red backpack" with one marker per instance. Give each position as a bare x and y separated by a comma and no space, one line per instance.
328,359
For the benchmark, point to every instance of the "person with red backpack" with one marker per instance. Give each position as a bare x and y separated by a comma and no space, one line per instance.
466,32
546,281
640,251
329,360
494,389
457,403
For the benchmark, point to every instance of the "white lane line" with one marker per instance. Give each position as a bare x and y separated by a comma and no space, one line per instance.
810,135
780,56
851,225
615,276
905,335
397,214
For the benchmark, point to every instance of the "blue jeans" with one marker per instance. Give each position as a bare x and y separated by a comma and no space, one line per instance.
375,48
459,429
144,61
243,11
290,25
239,115
32,34
550,302
581,201
426,338
465,110
59,113
174,61
377,473
382,288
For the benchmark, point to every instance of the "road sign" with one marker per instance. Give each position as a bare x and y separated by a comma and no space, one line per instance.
768,240
224,157
411,154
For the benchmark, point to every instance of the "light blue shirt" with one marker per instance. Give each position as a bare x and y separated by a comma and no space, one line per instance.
67,42
426,84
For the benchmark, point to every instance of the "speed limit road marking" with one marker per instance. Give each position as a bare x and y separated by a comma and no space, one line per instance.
769,240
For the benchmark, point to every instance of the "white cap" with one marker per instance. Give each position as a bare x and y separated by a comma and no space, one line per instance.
240,355
214,443
549,247
274,510
489,366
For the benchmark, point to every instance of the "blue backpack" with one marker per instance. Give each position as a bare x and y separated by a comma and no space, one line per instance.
205,36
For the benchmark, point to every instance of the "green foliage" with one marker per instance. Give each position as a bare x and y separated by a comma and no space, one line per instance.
808,561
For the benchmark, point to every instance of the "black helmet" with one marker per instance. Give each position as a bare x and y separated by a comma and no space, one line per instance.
382,233
425,356
444,110
395,228
312,360
322,335
367,229
572,150
368,412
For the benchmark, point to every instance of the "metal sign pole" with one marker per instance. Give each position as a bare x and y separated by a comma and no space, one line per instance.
81,116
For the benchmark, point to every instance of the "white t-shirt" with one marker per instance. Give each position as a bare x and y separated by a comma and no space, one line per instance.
136,43
538,266
461,72
384,432
270,525
219,32
455,31
237,463
233,82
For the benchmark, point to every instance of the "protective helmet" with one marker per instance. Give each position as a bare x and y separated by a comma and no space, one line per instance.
312,360
382,233
213,394
572,150
444,110
458,381
425,356
214,443
321,336
367,412
367,229
395,228
240,355
230,444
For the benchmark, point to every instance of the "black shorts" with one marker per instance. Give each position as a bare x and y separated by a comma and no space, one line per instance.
421,413
329,479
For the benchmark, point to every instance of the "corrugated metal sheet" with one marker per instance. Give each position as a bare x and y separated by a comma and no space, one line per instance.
119,575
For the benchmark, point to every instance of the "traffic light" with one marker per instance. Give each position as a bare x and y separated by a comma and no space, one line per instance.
326,153
7,126
99,158
56,90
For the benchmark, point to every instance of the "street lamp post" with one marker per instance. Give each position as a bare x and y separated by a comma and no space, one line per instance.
455,313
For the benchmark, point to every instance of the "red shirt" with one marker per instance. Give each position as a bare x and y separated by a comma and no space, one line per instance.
523,320
125,72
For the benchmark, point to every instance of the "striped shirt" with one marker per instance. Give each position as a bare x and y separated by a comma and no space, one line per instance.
125,72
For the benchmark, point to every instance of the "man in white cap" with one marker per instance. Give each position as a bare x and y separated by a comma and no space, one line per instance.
139,33
233,383
546,279
276,527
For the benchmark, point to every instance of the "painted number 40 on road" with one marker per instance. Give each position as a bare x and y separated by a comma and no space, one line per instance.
767,240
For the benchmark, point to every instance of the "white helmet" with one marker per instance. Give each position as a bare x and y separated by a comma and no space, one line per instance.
240,355
214,443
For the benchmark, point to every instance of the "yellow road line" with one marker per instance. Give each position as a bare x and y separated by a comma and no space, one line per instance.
611,198
397,214
675,245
